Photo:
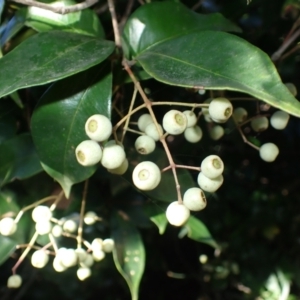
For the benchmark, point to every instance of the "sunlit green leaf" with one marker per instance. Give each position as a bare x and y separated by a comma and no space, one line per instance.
157,215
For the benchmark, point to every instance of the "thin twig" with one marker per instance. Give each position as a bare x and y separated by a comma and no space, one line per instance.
112,10
82,210
58,9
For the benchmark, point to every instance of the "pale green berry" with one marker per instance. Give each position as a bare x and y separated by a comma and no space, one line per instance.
81,254
98,128
194,199
113,156
144,144
98,255
143,121
279,119
268,152
260,124
209,185
292,88
7,226
57,230
90,218
205,111
174,122
41,213
39,259
193,134
240,114
191,118
216,132
97,244
121,169
152,131
88,153
88,262
14,281
43,227
146,176
177,214
70,226
203,258
220,109
212,166
108,245
83,273
57,265
68,258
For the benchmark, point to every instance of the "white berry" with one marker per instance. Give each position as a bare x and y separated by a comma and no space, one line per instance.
205,111
81,254
212,166
174,122
152,131
70,226
7,226
143,121
39,259
260,124
279,119
209,185
57,230
83,273
194,199
98,255
268,152
14,281
57,265
191,118
43,227
113,156
121,169
240,114
220,109
97,244
193,134
144,144
41,213
146,176
216,132
90,218
88,153
68,258
88,262
177,214
98,128
108,245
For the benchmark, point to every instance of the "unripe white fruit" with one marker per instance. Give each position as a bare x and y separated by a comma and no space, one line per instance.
146,176
279,119
174,122
39,259
121,169
108,245
81,254
205,111
57,230
68,258
216,132
193,134
113,156
83,273
292,88
151,131
7,226
41,213
98,128
88,262
209,185
260,124
240,114
90,218
14,281
220,109
143,121
97,244
98,255
177,214
57,265
212,166
191,118
268,152
43,227
88,153
70,226
144,144
194,199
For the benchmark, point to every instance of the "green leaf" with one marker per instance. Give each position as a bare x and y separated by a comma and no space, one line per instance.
159,21
18,159
129,253
8,247
82,22
218,60
154,211
197,231
50,56
59,119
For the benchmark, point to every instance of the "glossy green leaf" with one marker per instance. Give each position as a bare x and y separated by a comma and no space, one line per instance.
197,231
129,253
82,22
157,215
18,159
218,60
59,119
159,21
49,56
8,247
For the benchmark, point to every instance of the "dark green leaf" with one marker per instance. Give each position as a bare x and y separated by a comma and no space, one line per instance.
49,56
159,21
8,247
58,122
197,231
218,60
18,159
157,215
129,253
82,22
